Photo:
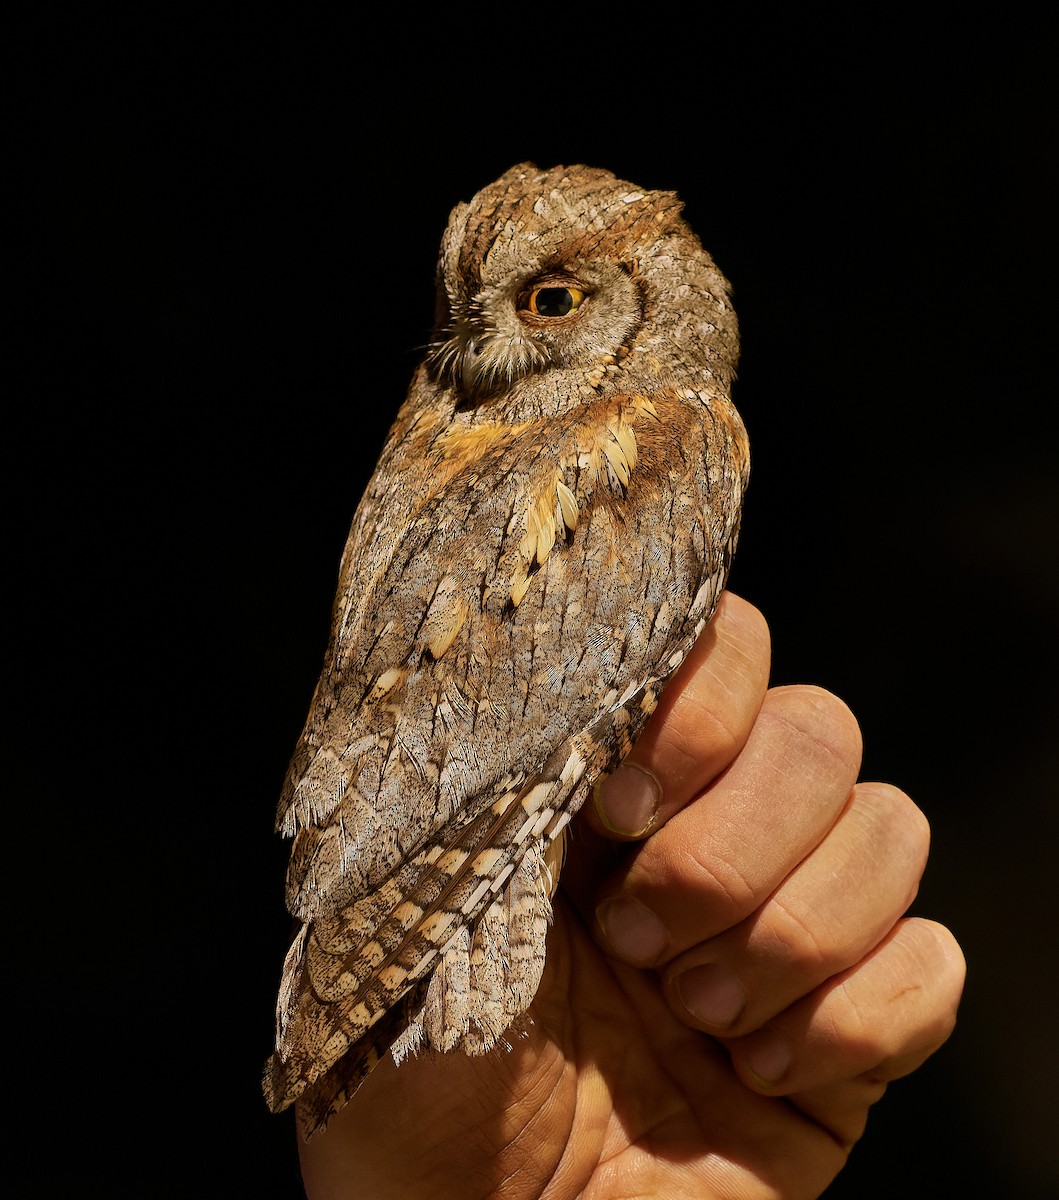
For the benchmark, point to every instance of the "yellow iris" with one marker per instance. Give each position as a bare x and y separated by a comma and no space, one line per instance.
554,301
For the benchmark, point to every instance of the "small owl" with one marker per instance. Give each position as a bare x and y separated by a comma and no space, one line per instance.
548,529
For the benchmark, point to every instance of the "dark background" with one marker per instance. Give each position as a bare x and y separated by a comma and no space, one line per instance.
230,229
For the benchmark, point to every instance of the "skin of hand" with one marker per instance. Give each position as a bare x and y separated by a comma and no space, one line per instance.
730,981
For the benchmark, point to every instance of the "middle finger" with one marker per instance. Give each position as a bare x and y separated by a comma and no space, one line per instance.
713,863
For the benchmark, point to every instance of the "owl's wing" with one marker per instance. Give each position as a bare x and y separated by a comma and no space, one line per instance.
504,655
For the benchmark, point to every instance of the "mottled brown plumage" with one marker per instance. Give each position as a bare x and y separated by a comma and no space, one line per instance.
547,532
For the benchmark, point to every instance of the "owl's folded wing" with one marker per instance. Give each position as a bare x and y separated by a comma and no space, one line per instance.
503,656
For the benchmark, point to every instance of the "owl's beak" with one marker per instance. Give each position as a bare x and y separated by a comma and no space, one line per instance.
470,368
480,362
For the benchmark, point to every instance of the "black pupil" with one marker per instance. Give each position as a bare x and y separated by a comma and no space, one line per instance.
554,302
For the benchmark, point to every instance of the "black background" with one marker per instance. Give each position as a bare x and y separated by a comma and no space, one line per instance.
230,228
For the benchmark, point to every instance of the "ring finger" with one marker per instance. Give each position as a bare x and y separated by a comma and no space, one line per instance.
832,909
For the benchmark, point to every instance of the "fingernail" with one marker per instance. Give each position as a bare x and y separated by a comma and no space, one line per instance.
712,995
628,800
769,1057
632,930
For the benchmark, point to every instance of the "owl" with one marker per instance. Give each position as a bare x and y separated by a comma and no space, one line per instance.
547,531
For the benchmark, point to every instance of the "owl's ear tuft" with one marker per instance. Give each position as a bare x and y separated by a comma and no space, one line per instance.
520,170
667,205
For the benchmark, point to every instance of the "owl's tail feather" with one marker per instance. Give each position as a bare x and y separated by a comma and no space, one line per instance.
319,1102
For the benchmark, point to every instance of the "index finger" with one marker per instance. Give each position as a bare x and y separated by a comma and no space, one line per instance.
702,722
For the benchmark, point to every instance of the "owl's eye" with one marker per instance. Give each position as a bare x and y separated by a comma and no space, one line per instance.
553,300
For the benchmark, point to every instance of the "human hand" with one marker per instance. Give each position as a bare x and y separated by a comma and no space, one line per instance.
731,1043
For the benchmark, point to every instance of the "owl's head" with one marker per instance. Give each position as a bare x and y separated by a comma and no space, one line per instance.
553,275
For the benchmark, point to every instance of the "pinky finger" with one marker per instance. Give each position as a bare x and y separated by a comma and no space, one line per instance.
833,1053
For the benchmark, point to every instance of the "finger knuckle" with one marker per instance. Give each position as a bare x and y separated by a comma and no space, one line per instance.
804,938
